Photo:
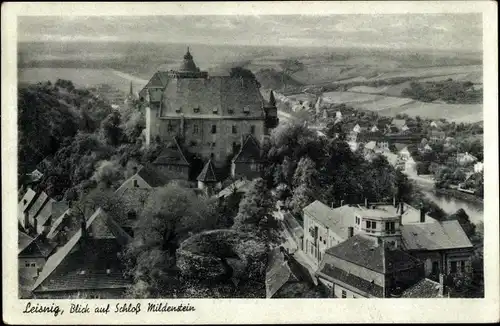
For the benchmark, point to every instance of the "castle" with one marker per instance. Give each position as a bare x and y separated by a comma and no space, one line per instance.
210,117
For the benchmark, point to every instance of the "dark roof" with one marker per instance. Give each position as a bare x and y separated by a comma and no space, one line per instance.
208,174
364,251
334,273
277,273
249,152
38,247
59,272
400,146
434,236
56,225
86,269
153,176
37,206
172,155
424,288
188,64
45,214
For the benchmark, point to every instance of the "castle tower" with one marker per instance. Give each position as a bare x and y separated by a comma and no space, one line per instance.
271,111
129,100
188,64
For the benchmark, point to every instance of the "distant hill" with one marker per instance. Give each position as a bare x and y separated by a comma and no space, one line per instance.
272,79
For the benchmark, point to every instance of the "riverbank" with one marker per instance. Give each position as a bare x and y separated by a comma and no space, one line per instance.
459,195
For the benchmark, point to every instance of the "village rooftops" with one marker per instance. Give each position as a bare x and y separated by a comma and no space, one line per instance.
23,240
424,288
338,220
365,251
72,268
37,247
435,236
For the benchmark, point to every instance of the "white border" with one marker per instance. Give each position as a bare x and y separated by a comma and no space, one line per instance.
249,310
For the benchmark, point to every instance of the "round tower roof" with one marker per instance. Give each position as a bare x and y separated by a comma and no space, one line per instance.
188,64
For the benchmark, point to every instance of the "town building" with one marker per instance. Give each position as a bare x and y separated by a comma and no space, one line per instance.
466,158
364,266
88,264
436,135
325,227
172,160
32,254
208,114
145,177
248,161
443,247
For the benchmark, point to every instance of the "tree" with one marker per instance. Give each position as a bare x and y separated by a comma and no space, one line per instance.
464,220
289,67
108,173
305,183
111,130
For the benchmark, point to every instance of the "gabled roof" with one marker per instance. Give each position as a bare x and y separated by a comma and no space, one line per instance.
250,151
338,220
172,155
112,232
159,80
434,236
54,230
277,273
39,203
424,288
23,240
333,273
38,247
153,176
208,173
363,251
45,213
29,197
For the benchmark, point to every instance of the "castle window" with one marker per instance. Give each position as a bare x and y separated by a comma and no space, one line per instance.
246,110
252,129
213,144
195,129
390,227
170,127
178,110
230,111
196,109
214,129
215,110
234,129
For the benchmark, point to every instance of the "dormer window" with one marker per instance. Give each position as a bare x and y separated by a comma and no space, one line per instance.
246,110
178,110
196,109
215,111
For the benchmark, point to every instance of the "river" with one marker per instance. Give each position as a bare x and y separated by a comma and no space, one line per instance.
451,204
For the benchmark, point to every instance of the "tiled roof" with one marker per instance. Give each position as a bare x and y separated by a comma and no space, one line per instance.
37,206
23,240
208,173
363,251
250,151
338,219
338,274
278,272
172,155
38,247
56,224
215,93
153,176
434,236
45,213
424,288
52,269
86,270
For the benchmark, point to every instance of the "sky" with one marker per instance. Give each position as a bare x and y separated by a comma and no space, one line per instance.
427,31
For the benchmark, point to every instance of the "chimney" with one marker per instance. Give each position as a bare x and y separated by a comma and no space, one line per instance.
441,284
422,215
350,232
366,202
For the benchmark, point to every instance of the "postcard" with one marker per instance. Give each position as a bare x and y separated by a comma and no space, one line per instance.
250,162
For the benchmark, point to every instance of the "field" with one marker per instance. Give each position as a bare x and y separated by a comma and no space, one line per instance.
391,106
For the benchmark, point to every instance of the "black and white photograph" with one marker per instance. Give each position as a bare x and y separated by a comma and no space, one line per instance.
250,156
